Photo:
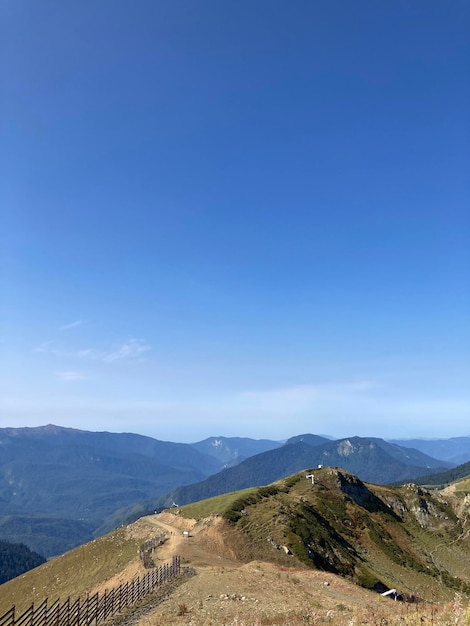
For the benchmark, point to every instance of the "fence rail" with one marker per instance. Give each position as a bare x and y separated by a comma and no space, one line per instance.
95,609
145,550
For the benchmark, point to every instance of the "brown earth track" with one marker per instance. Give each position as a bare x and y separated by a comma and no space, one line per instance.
225,591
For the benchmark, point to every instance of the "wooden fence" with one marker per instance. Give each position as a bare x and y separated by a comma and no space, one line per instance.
146,549
95,609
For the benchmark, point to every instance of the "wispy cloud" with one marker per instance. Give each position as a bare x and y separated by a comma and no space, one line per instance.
71,325
131,349
71,376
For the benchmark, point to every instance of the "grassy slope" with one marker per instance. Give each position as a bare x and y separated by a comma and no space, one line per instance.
463,486
72,573
217,505
402,537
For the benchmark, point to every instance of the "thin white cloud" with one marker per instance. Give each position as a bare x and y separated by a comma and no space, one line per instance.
132,349
71,376
71,325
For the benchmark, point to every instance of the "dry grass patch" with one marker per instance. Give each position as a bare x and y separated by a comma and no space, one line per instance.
102,563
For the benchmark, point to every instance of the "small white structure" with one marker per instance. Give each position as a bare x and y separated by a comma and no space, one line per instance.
312,477
390,592
186,534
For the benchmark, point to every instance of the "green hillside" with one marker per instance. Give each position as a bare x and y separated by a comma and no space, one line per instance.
378,536
74,573
372,459
445,478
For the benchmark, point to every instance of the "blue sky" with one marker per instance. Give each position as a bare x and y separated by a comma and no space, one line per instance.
236,218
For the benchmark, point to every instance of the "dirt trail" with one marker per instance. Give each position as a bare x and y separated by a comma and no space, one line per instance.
144,529
175,540
201,546
225,591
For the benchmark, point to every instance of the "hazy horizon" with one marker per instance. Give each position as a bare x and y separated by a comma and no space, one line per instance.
238,436
248,219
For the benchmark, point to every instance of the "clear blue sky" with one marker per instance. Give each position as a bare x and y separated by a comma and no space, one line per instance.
239,218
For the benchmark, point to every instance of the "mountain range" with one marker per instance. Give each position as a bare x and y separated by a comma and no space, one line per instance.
454,450
259,544
60,487
371,459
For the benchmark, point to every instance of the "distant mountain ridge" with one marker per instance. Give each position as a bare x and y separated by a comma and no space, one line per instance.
372,459
444,478
63,483
232,450
455,449
125,443
310,440
60,487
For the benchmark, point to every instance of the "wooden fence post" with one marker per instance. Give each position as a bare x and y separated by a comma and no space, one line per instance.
94,610
52,618
8,619
65,608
